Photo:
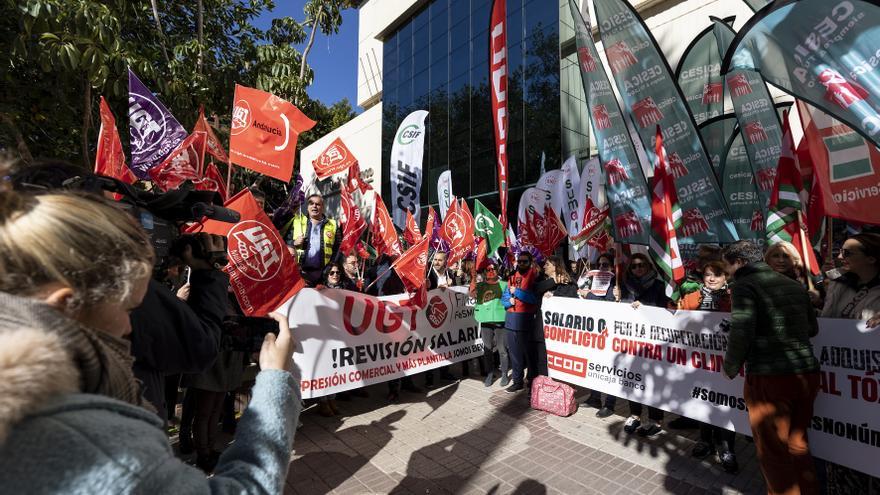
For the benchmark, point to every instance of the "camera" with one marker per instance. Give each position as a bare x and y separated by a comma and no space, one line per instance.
161,213
246,333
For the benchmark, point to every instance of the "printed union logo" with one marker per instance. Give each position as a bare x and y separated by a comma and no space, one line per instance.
840,91
565,363
694,223
409,134
147,132
620,56
755,132
739,85
335,154
627,224
601,119
588,63
483,223
646,112
454,228
255,250
242,118
437,311
615,171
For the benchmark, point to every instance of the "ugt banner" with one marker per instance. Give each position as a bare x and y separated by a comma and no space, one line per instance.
154,132
650,93
334,159
625,184
407,152
699,75
820,51
673,361
264,131
347,340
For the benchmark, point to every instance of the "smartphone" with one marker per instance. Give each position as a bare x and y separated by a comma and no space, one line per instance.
187,271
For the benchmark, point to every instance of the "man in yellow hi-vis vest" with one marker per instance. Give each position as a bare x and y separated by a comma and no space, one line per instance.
315,239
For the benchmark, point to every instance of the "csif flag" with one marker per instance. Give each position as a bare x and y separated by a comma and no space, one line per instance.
498,73
215,147
182,164
665,218
334,159
407,152
262,272
353,222
487,226
264,132
109,157
154,132
385,238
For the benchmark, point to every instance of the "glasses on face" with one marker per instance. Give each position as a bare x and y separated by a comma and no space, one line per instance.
604,265
334,272
522,262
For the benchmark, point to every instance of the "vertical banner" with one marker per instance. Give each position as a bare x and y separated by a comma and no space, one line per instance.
845,166
625,183
549,183
264,132
716,133
444,192
407,152
153,131
819,51
650,93
757,117
589,202
498,77
533,201
699,75
741,191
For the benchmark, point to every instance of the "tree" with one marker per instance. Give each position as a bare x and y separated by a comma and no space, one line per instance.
325,15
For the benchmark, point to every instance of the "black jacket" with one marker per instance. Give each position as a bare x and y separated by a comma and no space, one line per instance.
171,336
432,278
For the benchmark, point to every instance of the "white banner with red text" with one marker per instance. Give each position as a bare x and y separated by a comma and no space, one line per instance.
673,360
347,340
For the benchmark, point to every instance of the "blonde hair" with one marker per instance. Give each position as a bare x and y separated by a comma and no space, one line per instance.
789,249
82,242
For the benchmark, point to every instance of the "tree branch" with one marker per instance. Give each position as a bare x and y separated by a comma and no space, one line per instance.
20,143
155,5
200,23
315,24
87,122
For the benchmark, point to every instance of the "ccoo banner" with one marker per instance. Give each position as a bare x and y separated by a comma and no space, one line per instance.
406,167
699,76
652,96
625,184
819,51
347,340
673,361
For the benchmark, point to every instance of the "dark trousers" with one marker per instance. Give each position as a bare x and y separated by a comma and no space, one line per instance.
536,356
517,346
780,410
610,400
494,338
206,423
636,409
715,434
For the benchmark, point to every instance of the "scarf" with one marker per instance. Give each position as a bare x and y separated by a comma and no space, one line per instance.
710,300
637,285
104,361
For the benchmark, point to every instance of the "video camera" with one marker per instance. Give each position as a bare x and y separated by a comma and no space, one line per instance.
246,333
160,215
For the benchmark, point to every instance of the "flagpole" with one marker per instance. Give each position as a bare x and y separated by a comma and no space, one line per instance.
829,253
617,257
804,247
229,176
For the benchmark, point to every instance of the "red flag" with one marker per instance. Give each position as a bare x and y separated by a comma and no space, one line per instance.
411,234
498,76
458,231
212,181
593,222
182,164
215,147
355,182
353,223
410,267
601,242
262,273
554,232
384,235
336,158
264,132
429,223
110,159
482,255
665,218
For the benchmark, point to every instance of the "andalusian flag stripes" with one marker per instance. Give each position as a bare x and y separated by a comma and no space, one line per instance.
665,218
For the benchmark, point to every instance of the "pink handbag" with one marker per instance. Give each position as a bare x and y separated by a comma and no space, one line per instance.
552,396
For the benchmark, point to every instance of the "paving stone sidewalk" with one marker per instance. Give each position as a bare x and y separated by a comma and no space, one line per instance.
464,438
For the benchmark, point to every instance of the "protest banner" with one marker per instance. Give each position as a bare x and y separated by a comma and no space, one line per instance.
741,191
347,340
264,132
154,132
673,361
444,192
699,75
407,152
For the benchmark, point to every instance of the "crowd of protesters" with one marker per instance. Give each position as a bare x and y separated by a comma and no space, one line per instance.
94,350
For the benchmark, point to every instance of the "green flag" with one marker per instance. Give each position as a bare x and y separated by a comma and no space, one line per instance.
487,225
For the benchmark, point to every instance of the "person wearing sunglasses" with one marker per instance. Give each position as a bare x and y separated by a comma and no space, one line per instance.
604,263
334,277
642,286
489,312
521,304
855,295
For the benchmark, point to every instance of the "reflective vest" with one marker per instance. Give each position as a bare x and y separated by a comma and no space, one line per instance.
298,226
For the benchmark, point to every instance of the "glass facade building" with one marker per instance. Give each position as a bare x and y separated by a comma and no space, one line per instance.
438,60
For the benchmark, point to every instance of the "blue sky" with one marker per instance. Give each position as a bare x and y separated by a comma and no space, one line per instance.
334,58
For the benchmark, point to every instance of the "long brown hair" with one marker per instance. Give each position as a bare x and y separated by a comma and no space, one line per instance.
561,272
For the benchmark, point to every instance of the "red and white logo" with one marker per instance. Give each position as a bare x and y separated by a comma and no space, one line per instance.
453,229
255,250
334,155
437,311
627,224
766,177
588,63
693,223
840,91
646,112
242,118
676,165
620,56
615,172
712,92
755,132
739,85
600,117
757,221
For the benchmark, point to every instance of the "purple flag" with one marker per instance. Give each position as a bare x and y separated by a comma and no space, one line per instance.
155,133
296,197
